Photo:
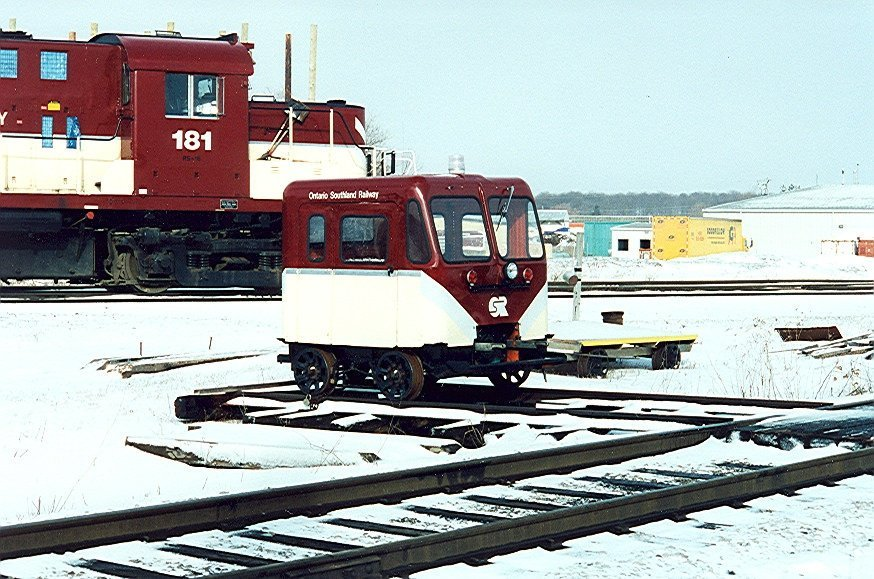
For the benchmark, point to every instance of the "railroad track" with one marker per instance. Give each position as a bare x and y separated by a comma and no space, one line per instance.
88,294
203,403
447,413
453,422
625,288
618,288
401,522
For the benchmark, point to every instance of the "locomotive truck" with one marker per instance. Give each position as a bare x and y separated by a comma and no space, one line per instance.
140,161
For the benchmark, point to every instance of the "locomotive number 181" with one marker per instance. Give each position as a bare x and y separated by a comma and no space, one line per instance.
192,140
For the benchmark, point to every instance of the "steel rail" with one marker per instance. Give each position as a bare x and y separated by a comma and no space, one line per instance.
716,287
90,293
95,294
238,510
401,558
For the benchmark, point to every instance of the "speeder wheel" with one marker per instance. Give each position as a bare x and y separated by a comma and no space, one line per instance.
592,364
399,375
315,371
507,383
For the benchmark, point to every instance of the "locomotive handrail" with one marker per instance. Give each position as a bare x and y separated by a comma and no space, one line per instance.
115,135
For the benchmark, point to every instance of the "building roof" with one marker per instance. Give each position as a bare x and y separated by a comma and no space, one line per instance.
553,214
813,199
636,226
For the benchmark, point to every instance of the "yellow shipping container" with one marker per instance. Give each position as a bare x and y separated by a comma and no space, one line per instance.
676,236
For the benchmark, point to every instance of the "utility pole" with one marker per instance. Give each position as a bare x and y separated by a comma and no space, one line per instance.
288,68
314,35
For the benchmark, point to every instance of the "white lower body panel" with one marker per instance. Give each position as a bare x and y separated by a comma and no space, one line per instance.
368,308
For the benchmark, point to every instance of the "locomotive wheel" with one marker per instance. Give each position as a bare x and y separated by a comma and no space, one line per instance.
666,357
399,375
508,382
592,364
315,372
128,270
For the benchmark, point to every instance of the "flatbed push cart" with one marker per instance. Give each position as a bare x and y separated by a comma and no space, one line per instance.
589,357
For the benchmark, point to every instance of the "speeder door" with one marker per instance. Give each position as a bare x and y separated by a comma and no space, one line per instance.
346,291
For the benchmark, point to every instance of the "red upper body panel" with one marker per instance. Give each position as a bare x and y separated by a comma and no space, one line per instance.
114,87
90,92
389,196
225,55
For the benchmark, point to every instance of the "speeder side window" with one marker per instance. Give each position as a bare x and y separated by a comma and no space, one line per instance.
364,239
418,249
516,230
461,229
316,238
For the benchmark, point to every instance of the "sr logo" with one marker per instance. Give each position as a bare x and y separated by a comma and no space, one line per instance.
498,307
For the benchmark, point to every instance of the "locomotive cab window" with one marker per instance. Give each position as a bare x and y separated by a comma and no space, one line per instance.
52,65
364,239
8,63
461,229
516,230
125,84
193,95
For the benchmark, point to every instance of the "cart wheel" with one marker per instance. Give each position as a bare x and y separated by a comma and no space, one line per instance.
399,375
508,382
592,364
666,356
315,371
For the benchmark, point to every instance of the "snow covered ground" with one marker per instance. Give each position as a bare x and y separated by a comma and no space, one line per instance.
739,266
65,421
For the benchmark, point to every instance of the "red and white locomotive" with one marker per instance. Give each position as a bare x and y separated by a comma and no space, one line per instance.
138,160
410,280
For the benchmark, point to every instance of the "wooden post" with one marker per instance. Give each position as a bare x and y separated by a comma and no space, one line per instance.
288,68
171,26
71,35
244,32
579,252
13,24
314,36
93,29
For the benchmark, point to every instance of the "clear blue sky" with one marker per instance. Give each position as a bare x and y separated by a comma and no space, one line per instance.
588,96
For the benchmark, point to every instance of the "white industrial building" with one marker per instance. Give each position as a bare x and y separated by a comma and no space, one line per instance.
631,240
804,222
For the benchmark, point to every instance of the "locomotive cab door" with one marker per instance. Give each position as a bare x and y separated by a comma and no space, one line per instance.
190,134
